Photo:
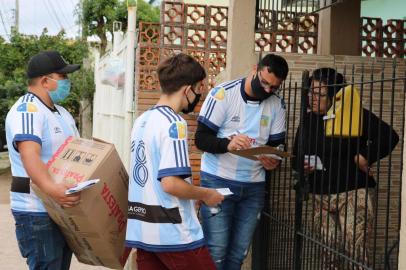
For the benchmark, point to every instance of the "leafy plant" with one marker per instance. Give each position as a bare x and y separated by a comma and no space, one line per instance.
15,55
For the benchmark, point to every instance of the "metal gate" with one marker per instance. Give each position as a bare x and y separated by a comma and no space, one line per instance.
307,226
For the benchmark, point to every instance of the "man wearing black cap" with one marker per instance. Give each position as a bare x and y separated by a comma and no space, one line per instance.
35,129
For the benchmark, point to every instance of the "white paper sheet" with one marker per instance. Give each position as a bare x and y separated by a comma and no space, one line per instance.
81,186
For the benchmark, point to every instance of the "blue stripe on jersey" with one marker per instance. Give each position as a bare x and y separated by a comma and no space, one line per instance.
26,137
207,122
162,111
172,113
169,113
210,111
180,154
229,84
210,107
185,155
23,123
32,123
278,136
27,120
168,248
176,153
232,85
26,97
184,172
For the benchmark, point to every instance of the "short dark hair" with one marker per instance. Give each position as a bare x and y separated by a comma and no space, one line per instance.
32,81
331,78
179,70
275,64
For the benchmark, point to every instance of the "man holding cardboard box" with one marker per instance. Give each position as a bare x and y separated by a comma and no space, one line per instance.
35,129
162,222
239,114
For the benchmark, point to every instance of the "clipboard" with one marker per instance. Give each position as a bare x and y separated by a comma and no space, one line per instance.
252,153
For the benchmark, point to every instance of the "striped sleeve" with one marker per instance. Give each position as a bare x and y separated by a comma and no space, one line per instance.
213,111
25,124
174,157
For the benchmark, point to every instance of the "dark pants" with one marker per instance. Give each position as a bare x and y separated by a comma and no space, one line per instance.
41,242
196,259
228,234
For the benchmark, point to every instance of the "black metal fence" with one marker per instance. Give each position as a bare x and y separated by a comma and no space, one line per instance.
343,213
285,10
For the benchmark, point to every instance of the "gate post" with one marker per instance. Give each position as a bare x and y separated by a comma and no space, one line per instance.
301,192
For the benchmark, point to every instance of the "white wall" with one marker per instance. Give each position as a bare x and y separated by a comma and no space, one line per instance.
109,105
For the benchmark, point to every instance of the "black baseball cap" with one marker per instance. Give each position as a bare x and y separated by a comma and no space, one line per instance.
48,62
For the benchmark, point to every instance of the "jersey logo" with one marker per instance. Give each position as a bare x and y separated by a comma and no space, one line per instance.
140,172
236,119
218,93
264,121
177,130
27,107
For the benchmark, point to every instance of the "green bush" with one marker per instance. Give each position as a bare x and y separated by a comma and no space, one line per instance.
15,55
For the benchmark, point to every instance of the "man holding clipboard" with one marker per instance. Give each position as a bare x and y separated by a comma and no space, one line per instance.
238,115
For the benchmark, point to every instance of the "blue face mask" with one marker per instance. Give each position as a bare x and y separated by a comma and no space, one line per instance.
61,92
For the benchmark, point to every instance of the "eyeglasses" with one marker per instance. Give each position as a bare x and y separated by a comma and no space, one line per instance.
266,84
316,94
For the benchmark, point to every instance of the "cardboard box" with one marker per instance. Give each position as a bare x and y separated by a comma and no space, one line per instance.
95,228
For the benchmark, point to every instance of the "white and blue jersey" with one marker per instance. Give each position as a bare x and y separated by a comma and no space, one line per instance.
158,221
228,112
31,120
